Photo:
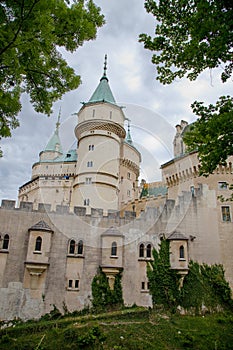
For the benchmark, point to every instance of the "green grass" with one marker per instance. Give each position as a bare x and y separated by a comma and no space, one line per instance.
135,329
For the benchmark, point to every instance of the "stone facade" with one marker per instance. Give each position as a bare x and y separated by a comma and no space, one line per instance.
53,243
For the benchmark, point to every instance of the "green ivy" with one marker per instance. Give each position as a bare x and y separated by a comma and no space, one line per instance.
102,296
164,282
204,285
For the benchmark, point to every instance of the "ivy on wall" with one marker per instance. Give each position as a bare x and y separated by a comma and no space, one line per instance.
102,296
163,281
204,285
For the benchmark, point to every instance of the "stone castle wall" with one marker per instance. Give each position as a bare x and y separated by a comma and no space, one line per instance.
196,216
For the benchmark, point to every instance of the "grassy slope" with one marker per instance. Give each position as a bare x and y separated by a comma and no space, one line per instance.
128,329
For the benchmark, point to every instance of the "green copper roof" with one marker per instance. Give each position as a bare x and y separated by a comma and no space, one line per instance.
128,136
103,92
54,143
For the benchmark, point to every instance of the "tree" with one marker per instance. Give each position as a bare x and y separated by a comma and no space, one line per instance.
31,33
193,35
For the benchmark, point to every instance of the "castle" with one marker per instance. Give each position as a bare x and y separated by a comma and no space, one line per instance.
82,210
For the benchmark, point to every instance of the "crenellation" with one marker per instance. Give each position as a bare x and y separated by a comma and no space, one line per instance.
26,206
8,204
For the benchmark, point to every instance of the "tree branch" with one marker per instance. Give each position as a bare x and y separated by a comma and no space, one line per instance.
20,25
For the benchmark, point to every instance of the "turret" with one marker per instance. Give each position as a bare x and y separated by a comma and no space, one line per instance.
100,132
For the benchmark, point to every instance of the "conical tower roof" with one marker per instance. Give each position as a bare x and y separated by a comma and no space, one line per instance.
54,144
128,138
103,92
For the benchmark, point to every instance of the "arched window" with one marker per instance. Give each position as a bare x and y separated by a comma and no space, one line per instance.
181,252
141,250
6,240
80,247
114,249
148,251
72,247
38,244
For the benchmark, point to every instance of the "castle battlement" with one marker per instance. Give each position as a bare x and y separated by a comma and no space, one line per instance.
65,209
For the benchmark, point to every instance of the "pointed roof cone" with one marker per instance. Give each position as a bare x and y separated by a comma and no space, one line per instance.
128,136
103,92
54,144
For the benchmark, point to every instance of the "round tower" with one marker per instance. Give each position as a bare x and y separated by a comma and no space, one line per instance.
100,133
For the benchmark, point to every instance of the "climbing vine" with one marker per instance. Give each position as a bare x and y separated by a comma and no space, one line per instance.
203,286
102,296
163,281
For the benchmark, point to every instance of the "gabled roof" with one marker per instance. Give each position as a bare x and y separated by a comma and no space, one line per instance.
41,226
177,236
112,231
103,92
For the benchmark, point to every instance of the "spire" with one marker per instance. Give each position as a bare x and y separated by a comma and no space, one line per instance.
105,67
54,144
58,120
103,92
128,136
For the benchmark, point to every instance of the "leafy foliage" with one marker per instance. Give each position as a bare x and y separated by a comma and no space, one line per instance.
205,285
164,282
214,127
186,42
31,32
102,295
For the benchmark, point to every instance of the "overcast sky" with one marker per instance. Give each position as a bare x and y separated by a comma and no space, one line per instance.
154,109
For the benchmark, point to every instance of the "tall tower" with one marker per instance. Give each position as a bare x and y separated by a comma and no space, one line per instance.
100,133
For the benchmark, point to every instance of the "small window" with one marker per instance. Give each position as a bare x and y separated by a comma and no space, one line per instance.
91,147
90,164
181,252
222,185
6,240
76,284
141,251
72,247
128,175
80,247
122,179
226,214
88,180
143,285
148,285
86,202
38,244
70,283
114,249
148,251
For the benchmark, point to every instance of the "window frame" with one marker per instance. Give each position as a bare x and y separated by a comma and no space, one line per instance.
114,249
38,244
6,242
226,216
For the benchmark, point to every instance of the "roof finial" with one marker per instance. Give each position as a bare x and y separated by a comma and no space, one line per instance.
105,66
58,119
128,136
